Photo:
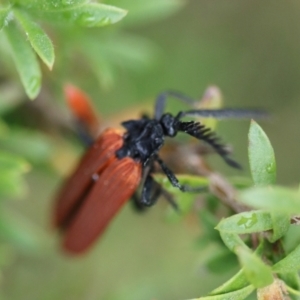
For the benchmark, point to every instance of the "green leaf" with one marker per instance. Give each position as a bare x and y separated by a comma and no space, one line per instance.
88,15
34,146
291,263
261,156
38,39
13,163
274,198
235,295
50,5
12,168
256,271
232,241
12,185
4,12
25,60
237,282
95,14
291,279
294,294
281,224
246,222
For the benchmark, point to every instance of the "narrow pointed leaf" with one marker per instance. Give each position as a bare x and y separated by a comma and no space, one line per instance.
25,60
291,263
261,156
246,222
38,39
295,294
96,14
238,281
232,241
281,223
3,16
291,279
88,15
256,271
274,198
235,295
53,5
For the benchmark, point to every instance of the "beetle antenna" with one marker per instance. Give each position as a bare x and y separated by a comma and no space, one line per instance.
200,132
226,113
162,98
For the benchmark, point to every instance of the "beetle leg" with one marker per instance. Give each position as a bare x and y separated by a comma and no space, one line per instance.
152,190
175,182
136,203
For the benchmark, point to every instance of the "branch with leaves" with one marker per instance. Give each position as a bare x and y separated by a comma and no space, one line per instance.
18,21
257,235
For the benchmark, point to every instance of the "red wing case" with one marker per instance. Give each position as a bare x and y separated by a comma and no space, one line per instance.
81,107
94,161
115,185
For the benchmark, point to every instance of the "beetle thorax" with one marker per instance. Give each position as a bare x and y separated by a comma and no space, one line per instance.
143,139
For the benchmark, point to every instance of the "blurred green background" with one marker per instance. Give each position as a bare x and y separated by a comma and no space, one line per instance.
249,49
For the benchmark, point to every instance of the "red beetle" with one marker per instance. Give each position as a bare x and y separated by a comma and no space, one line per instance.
111,170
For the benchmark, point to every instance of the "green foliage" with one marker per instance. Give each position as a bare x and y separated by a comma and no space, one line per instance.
25,60
237,294
20,17
261,156
39,41
268,225
12,169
